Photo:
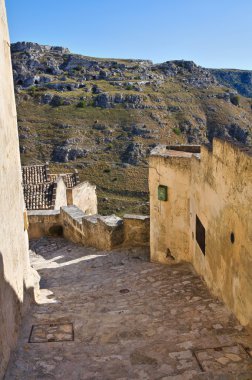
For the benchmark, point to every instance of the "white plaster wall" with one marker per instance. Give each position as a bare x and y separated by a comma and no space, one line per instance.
14,260
85,198
61,196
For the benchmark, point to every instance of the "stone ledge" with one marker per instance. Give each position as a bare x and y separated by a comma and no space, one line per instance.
90,219
102,232
43,212
136,217
111,220
74,212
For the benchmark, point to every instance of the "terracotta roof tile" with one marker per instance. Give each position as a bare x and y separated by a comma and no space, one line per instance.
40,196
40,186
70,179
35,174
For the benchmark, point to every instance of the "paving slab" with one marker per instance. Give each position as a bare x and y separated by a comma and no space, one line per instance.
114,315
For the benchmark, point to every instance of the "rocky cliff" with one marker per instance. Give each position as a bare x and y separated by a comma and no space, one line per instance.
103,116
239,80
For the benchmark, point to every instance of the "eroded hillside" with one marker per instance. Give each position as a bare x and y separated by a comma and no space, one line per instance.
103,116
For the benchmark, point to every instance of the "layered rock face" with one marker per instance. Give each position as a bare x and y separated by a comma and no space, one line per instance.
35,64
240,80
53,76
103,116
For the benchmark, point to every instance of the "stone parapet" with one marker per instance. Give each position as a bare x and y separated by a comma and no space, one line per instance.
136,230
102,232
44,223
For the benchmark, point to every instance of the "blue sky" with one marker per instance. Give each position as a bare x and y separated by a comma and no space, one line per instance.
213,33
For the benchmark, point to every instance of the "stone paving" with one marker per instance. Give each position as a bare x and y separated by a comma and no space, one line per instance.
114,315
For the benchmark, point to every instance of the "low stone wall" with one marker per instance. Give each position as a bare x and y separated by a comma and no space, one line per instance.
44,223
136,230
102,232
71,218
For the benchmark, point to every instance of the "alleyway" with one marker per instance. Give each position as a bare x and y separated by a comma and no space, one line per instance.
116,316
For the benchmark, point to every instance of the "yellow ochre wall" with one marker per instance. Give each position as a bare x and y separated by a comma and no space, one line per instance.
218,188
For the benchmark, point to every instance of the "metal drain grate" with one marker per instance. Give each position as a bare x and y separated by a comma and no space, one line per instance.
231,358
53,332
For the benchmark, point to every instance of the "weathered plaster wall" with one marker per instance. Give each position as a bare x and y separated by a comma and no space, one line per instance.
60,196
169,219
217,188
84,197
221,195
69,194
14,260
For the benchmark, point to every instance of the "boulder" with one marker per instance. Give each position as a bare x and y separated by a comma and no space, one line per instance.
103,100
65,154
133,154
56,101
46,99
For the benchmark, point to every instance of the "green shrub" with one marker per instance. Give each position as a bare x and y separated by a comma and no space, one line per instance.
235,100
32,90
91,103
57,101
129,87
81,104
177,131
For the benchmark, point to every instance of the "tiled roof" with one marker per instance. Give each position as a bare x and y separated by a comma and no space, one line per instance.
70,179
40,186
40,196
35,174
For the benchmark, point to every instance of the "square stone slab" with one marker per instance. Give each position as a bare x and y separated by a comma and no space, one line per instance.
225,358
53,332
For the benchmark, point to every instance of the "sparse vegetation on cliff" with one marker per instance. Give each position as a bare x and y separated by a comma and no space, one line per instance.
105,114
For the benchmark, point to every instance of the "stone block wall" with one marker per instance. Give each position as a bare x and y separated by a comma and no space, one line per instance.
102,232
44,223
136,230
72,224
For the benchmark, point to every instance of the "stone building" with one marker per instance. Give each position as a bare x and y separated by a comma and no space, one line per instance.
201,212
45,191
16,276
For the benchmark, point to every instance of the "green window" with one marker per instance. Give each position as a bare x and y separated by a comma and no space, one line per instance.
162,193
